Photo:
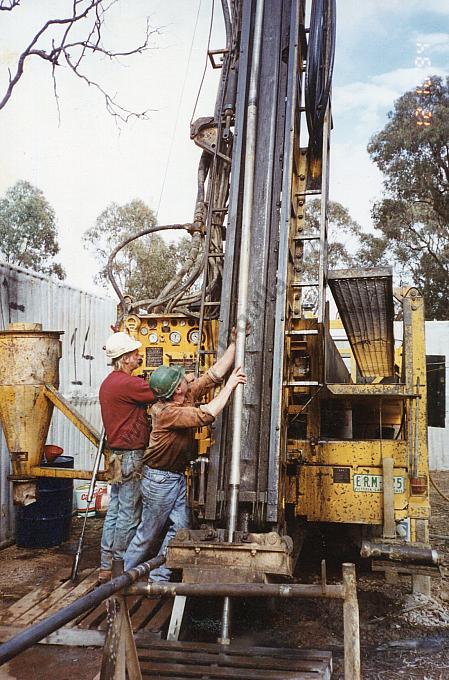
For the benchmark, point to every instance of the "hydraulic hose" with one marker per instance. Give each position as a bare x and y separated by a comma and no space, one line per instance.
320,63
112,256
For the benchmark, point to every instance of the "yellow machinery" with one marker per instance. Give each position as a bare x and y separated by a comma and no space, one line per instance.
320,441
29,378
316,441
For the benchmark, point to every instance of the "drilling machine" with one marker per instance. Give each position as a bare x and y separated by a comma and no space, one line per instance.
308,439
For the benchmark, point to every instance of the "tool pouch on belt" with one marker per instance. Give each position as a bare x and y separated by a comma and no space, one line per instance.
115,468
121,470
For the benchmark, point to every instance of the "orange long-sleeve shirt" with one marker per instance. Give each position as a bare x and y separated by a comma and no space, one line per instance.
172,439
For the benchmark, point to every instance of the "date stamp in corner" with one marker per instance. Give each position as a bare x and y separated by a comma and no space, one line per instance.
423,113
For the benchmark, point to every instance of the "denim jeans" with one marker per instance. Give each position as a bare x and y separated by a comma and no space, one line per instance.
163,499
123,515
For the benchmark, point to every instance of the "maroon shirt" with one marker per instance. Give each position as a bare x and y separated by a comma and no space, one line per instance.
123,401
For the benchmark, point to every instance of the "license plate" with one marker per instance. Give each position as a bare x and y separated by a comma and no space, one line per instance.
373,484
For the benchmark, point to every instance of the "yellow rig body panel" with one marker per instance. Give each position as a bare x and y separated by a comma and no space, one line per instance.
329,479
169,340
342,480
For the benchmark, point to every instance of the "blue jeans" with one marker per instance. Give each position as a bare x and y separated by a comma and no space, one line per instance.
123,515
163,499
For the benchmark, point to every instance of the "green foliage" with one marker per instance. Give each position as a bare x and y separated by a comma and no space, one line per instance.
28,233
143,267
343,237
412,220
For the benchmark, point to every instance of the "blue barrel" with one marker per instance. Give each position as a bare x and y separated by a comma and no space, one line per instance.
48,521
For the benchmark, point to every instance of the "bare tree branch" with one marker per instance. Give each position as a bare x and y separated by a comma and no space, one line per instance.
8,7
72,51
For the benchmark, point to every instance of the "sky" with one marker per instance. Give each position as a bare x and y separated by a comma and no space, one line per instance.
82,160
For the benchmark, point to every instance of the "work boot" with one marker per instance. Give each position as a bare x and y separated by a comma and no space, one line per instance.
104,575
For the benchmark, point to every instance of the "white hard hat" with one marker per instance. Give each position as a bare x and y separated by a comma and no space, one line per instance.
120,343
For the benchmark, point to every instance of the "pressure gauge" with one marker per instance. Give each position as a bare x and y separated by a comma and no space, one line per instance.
194,336
153,337
175,337
144,330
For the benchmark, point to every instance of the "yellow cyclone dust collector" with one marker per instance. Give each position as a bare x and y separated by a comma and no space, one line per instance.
29,359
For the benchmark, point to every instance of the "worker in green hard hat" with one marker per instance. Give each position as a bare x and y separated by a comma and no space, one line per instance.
175,417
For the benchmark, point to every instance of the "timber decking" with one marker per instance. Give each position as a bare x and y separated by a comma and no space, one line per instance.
158,658
148,617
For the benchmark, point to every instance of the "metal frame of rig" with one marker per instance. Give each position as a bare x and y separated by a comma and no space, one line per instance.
309,439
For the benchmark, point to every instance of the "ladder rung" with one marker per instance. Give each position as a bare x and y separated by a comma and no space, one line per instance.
305,284
305,332
302,383
207,351
311,192
211,304
220,210
220,255
306,237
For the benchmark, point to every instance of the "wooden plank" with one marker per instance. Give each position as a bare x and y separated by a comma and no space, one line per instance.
406,568
93,618
232,660
76,592
210,647
148,607
326,676
134,603
44,605
75,637
161,617
27,602
141,610
167,670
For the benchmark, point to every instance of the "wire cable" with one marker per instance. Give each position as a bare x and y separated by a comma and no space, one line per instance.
205,63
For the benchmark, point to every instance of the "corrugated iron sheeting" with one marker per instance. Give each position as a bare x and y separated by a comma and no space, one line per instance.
364,299
85,320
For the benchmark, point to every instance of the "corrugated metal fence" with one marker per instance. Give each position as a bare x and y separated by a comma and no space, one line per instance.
85,320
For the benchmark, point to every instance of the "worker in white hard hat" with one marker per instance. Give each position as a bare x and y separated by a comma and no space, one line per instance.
123,400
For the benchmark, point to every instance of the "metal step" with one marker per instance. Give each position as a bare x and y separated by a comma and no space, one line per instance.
310,192
306,237
304,332
302,383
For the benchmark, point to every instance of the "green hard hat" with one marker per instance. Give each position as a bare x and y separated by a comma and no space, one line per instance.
165,379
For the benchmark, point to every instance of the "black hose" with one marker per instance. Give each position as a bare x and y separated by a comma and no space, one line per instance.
320,63
143,232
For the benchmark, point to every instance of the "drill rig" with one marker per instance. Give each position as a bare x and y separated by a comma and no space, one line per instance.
310,438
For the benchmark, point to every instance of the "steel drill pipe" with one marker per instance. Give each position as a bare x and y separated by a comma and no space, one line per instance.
40,630
335,592
400,553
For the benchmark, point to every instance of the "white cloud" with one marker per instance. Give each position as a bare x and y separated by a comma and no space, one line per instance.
355,181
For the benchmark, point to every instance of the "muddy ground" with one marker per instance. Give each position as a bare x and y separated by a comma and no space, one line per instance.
402,635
